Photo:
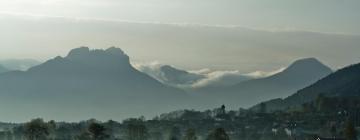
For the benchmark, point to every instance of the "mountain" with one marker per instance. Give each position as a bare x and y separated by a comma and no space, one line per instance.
298,75
190,80
176,76
19,64
342,83
171,76
3,69
87,83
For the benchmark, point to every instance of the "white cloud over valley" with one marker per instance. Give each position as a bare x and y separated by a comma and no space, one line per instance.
203,77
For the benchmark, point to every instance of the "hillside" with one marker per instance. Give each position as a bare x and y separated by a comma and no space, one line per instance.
342,83
298,75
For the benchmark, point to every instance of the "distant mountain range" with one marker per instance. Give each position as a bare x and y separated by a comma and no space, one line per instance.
87,81
298,75
344,82
103,84
3,69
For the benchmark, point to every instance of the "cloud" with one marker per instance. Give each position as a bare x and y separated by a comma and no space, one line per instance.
262,74
168,74
152,69
198,78
220,78
228,78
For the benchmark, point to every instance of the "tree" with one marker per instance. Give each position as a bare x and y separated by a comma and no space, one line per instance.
263,108
136,130
350,132
190,135
52,128
111,126
308,107
218,134
333,131
281,134
97,131
175,134
221,113
84,136
156,136
36,129
223,109
323,103
19,132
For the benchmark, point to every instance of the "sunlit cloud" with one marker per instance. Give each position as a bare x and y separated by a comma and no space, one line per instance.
261,74
203,77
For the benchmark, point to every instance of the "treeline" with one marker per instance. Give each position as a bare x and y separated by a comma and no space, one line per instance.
131,129
314,119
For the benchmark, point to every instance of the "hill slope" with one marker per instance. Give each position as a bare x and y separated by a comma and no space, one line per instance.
298,75
344,82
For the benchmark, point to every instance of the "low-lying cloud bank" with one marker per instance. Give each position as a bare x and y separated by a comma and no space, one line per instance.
172,76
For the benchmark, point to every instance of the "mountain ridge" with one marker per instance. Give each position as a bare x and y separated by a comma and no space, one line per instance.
89,80
299,74
344,82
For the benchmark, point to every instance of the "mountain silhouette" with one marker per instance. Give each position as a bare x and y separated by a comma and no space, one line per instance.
97,80
298,75
344,82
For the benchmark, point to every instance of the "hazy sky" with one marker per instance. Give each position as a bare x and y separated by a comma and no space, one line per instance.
320,15
272,33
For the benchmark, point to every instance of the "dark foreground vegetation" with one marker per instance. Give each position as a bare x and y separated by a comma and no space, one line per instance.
326,117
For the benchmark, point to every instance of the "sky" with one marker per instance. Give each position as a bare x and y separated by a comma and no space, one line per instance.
244,35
